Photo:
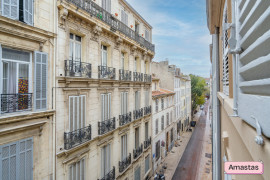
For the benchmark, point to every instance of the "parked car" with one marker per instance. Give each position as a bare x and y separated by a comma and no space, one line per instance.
193,123
202,106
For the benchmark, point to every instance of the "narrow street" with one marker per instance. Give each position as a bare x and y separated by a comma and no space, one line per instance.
189,167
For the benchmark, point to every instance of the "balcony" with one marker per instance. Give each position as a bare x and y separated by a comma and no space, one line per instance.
137,114
11,103
147,143
77,69
147,110
105,72
106,126
137,77
137,152
147,78
124,119
124,164
96,11
110,175
77,137
124,75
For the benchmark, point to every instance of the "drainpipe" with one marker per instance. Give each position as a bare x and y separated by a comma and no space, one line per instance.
54,84
216,130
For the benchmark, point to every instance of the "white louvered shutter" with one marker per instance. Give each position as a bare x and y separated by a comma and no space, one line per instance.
41,75
126,102
122,103
71,113
17,160
28,11
109,6
254,62
10,9
1,74
109,106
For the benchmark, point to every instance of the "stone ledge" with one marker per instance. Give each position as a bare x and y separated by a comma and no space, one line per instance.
17,117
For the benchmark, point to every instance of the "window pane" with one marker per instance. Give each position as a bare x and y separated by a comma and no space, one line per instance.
23,79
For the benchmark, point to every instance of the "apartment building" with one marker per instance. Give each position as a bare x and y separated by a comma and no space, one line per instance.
185,100
162,122
240,78
27,43
103,90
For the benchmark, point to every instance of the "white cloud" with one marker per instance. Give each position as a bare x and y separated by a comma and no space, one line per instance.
182,40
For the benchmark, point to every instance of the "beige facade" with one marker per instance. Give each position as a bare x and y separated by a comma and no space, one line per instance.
163,130
103,105
235,109
27,44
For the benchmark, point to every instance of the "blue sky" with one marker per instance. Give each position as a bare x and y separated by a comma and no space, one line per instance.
179,32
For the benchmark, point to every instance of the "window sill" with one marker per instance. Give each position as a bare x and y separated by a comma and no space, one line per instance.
22,116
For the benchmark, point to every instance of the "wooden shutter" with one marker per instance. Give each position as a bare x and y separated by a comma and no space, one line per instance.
10,9
108,3
138,173
28,6
17,160
254,62
1,74
126,101
41,76
77,112
109,106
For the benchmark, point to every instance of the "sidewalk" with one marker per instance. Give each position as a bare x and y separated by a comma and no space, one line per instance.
174,157
205,170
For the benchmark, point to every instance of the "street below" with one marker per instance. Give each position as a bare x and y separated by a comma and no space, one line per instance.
191,165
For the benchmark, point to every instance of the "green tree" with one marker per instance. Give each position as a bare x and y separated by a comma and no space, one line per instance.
198,91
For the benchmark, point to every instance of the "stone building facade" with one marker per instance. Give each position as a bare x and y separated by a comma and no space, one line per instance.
27,46
162,122
103,88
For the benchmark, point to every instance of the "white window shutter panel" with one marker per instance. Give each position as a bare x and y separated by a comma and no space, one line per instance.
71,113
28,7
102,107
254,77
109,6
109,105
83,110
10,9
41,75
122,16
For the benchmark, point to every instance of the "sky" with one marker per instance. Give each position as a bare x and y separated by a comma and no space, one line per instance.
179,33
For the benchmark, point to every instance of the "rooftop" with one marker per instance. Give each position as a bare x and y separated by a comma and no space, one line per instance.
162,92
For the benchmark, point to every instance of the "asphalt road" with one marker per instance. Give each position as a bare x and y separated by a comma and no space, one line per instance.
189,164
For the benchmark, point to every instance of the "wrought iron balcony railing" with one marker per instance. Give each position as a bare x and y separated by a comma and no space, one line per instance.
105,72
124,75
137,152
147,78
16,102
77,137
137,77
106,126
125,163
96,11
147,110
137,114
110,175
124,119
77,69
147,143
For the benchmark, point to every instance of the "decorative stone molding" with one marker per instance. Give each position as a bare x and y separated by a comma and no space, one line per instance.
97,30
133,48
118,41
63,16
